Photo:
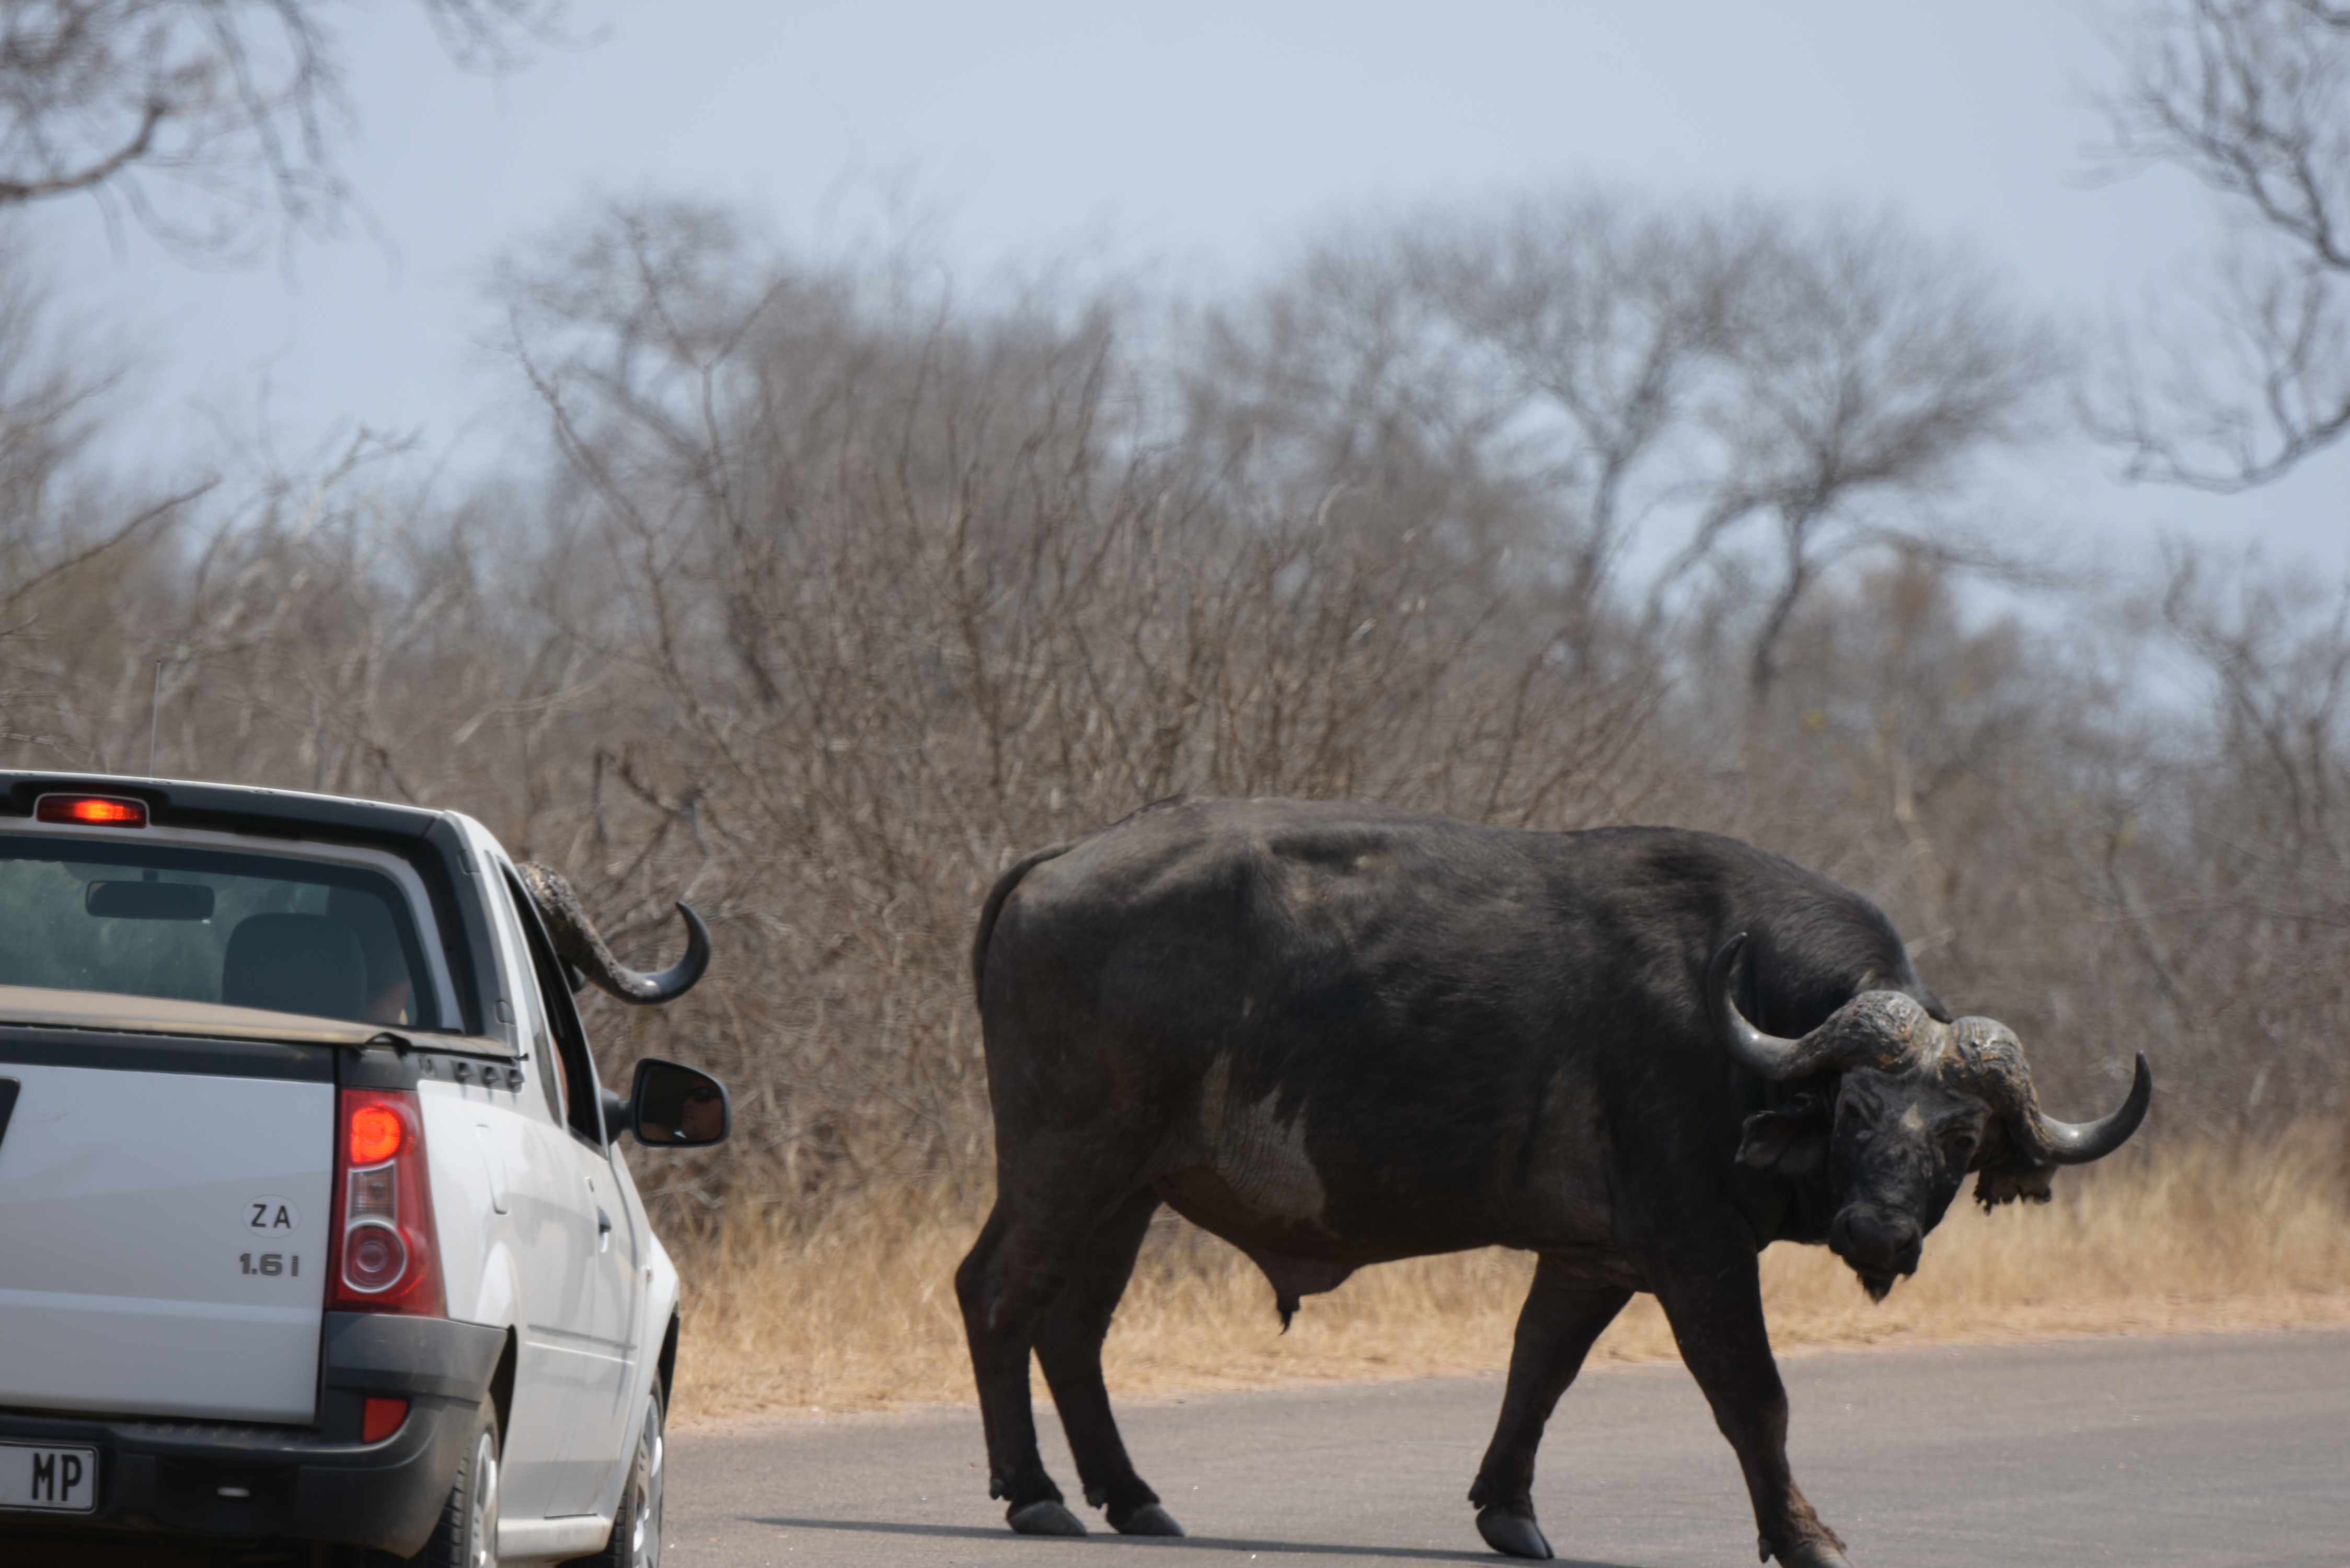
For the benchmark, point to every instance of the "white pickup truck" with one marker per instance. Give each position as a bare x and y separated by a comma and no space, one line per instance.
313,1225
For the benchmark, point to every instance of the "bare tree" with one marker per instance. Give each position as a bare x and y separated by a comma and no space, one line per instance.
1565,378
1864,374
1346,388
57,521
1609,318
199,118
2252,99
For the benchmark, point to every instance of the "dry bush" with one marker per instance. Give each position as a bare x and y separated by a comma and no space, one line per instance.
896,600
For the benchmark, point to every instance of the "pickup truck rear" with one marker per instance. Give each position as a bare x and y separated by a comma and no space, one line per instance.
312,1227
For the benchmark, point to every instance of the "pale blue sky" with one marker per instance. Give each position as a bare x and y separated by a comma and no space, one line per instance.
1196,141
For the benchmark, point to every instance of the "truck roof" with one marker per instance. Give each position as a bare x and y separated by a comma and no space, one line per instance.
180,802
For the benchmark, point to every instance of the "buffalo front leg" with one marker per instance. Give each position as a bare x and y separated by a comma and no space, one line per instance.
1562,1317
1714,1302
1012,1275
1069,1347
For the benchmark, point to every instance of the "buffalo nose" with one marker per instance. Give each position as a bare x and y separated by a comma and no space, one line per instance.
1891,1240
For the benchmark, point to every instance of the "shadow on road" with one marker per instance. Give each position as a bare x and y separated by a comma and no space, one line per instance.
1192,1542
883,1527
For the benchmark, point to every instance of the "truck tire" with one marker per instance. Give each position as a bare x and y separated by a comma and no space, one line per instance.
636,1540
467,1535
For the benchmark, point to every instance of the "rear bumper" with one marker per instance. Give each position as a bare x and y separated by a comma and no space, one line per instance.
303,1483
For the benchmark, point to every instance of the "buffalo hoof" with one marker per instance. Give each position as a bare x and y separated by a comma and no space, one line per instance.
1512,1534
1044,1518
1813,1554
1149,1519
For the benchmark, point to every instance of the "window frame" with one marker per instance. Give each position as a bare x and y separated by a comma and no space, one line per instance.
424,911
585,1115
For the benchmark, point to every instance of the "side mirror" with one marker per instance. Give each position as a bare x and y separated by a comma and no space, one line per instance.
676,1106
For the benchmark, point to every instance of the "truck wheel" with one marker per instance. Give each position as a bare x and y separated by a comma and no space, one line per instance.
636,1540
467,1535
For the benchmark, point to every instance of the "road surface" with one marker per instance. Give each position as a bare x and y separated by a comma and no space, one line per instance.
2198,1451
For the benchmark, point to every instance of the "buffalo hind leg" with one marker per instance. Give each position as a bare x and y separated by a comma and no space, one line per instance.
1005,1286
1562,1317
1069,1347
1714,1302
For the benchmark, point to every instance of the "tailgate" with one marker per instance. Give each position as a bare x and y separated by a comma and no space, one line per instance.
163,1224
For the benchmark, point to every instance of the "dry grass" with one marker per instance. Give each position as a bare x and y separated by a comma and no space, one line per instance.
858,1310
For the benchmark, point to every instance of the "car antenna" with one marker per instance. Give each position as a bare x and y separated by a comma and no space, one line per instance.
154,717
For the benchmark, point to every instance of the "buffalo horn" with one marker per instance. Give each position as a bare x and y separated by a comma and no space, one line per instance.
2078,1143
583,951
1986,1059
1875,1028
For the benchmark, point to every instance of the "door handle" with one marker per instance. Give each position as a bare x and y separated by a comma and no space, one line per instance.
603,1231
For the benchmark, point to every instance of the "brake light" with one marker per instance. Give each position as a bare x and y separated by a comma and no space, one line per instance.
384,1259
375,1134
91,810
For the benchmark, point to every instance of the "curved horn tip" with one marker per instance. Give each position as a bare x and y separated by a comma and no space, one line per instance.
668,985
2072,1143
697,942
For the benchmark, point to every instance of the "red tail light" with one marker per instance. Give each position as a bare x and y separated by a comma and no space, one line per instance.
91,810
384,1231
376,1133
380,1418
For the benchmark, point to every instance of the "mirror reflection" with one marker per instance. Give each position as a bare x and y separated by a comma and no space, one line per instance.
148,900
678,1106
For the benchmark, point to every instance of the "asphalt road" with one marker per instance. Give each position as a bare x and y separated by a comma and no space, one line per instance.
2193,1451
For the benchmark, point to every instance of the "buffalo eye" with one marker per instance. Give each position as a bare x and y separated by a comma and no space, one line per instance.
1959,1148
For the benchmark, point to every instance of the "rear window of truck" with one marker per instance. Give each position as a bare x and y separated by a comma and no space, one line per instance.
188,924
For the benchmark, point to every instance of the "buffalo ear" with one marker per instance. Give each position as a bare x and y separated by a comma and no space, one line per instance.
1791,1140
2010,1179
2005,1174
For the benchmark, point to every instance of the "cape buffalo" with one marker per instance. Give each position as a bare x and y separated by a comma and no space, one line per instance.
1339,1034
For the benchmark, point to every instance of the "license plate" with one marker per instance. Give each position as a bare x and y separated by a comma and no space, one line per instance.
62,1481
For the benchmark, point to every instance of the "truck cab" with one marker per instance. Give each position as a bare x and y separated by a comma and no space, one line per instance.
314,1224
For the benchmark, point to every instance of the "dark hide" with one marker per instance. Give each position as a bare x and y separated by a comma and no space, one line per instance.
1339,1034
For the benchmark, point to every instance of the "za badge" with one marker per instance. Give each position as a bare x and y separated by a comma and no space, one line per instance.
271,1216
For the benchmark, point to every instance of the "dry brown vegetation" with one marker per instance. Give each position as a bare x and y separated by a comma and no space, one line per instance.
856,1310
829,594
